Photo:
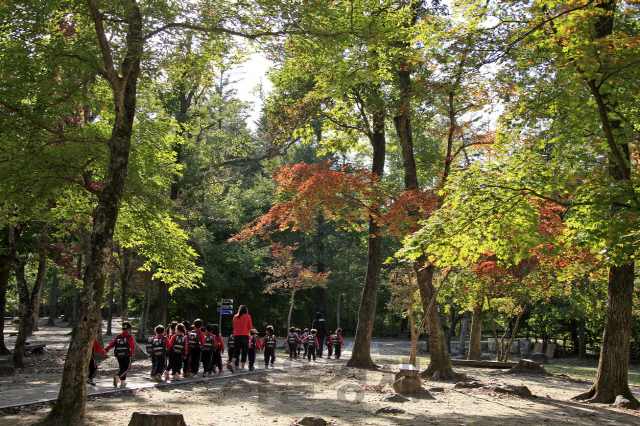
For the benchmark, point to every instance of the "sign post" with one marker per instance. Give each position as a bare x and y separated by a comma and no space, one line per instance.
225,308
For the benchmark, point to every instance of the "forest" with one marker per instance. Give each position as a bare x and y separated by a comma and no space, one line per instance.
440,168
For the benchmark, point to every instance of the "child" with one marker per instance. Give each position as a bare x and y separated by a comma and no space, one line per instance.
217,353
231,347
125,349
160,347
328,341
337,342
269,344
293,341
179,352
195,340
93,365
210,345
299,334
185,362
172,332
304,337
254,346
312,344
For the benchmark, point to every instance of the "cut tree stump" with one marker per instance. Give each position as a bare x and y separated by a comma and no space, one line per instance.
156,418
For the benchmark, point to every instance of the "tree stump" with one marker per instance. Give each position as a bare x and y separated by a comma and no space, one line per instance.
156,418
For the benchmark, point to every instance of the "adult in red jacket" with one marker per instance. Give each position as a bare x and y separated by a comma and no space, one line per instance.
242,326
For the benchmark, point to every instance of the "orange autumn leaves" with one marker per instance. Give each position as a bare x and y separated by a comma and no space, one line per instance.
347,196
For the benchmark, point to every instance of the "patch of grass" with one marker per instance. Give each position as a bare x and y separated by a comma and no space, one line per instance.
589,373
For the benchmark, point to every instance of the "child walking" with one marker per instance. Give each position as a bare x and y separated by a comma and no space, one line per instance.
312,343
160,346
179,352
328,341
93,365
304,342
195,340
210,345
125,349
269,344
254,347
337,342
217,353
293,341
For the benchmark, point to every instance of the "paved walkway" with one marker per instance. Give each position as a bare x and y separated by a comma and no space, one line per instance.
22,397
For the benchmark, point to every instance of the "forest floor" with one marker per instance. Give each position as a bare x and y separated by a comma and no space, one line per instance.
328,389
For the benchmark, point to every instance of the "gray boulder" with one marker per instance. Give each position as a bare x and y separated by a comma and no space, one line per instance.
513,390
622,402
468,385
388,410
312,421
394,397
539,357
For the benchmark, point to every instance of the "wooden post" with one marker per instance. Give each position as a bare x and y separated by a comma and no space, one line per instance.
156,418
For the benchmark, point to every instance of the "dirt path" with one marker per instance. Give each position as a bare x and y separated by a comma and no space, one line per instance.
342,395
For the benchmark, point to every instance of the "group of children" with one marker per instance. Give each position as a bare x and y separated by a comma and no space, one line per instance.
182,347
308,340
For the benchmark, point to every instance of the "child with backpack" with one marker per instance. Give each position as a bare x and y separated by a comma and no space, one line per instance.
254,347
171,328
160,347
217,353
179,352
337,342
312,343
304,337
209,347
299,334
292,341
269,344
328,341
125,349
230,346
195,341
93,365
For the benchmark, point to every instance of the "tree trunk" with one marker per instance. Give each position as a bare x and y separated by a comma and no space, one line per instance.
293,293
612,377
161,304
462,344
513,334
440,359
495,333
70,406
112,284
582,339
452,329
28,301
6,264
53,303
475,345
361,353
144,312
338,312
613,369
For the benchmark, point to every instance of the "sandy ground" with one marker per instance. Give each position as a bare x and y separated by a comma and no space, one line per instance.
341,395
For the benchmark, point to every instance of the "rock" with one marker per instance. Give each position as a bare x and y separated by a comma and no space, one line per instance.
622,402
527,365
459,357
407,385
388,410
468,385
394,397
436,389
539,357
6,370
513,390
486,357
407,370
156,418
437,375
312,421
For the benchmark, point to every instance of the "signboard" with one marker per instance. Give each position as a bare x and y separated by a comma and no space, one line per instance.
223,312
227,301
227,306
